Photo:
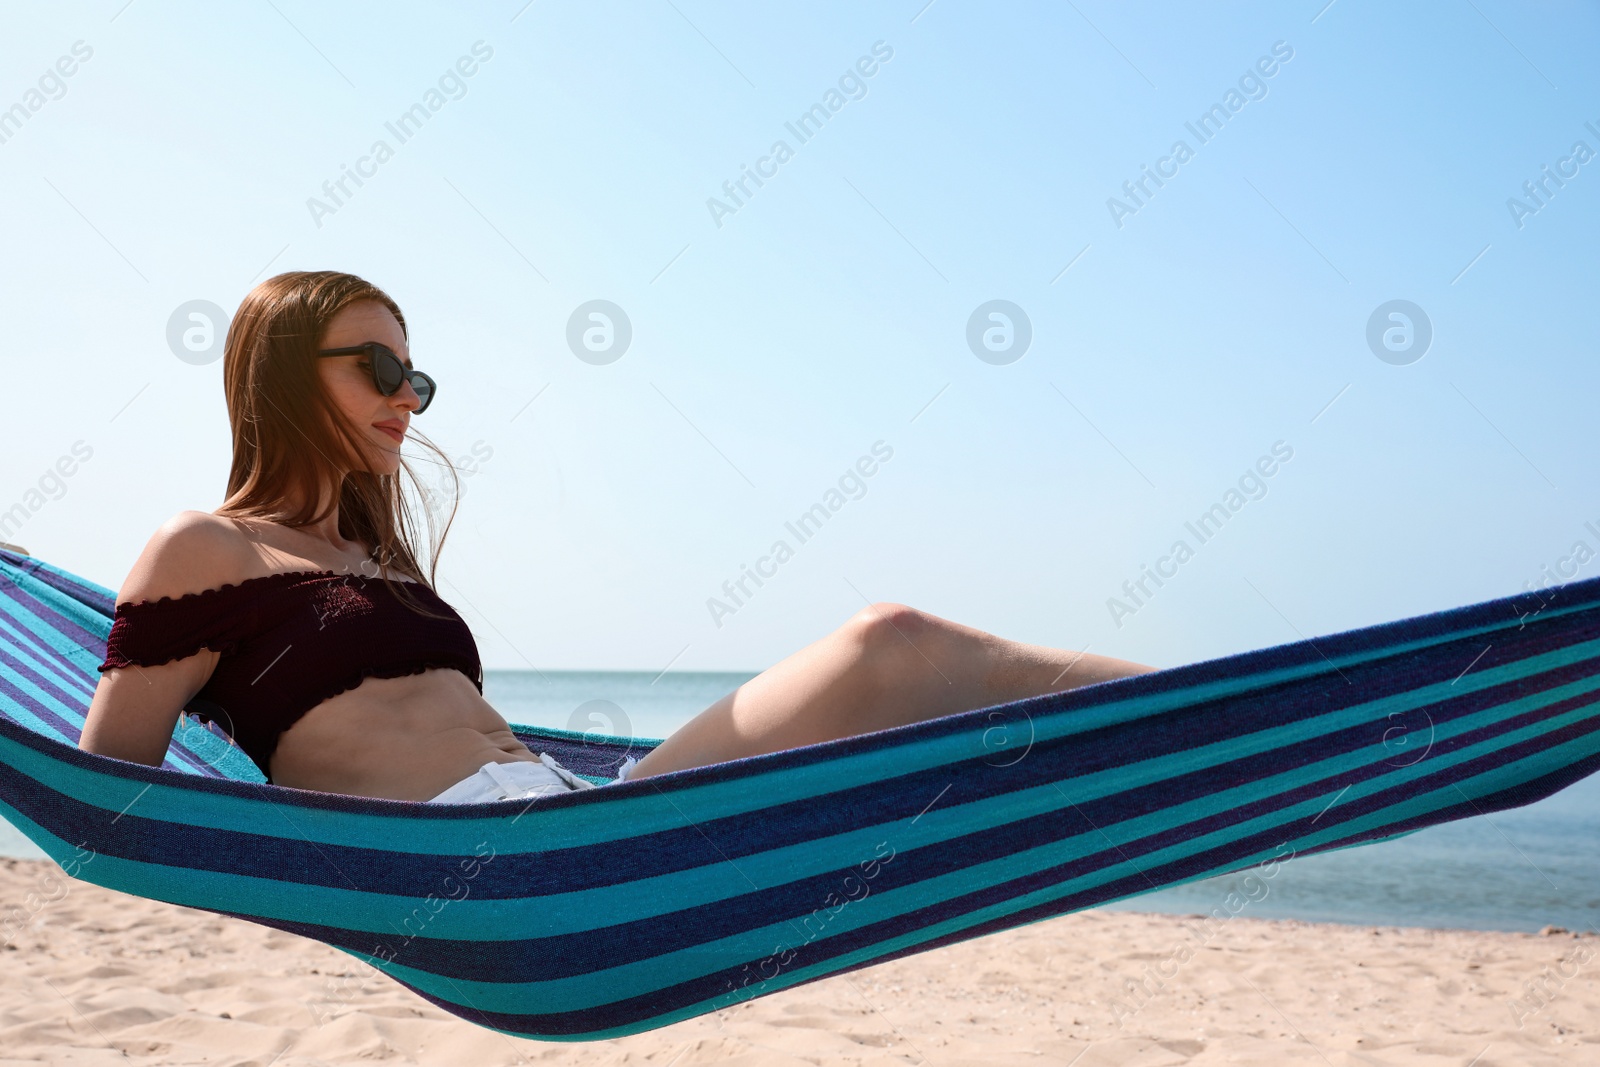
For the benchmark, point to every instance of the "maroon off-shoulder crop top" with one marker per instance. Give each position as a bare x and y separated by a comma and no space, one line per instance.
287,642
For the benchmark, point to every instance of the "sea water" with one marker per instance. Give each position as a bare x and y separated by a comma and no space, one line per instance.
1521,869
1513,870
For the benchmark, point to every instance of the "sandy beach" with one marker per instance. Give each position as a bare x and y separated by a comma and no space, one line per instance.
92,976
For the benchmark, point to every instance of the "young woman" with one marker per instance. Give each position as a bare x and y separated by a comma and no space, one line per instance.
299,614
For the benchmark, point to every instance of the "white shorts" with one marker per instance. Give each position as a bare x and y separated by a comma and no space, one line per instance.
521,780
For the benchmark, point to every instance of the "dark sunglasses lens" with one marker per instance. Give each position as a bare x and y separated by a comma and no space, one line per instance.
387,370
424,389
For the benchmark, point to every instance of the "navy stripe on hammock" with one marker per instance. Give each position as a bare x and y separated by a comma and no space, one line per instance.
1167,734
668,902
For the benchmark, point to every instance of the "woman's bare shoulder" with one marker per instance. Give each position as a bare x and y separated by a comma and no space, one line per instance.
191,552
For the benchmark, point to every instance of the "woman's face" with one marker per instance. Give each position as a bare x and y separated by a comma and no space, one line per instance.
347,380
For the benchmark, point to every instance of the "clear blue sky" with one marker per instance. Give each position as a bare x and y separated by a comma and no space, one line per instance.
770,352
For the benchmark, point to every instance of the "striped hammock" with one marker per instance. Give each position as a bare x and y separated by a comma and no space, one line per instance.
608,912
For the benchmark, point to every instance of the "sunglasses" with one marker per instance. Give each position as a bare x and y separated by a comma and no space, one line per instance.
388,373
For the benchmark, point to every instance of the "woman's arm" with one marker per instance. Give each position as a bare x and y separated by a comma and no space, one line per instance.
135,709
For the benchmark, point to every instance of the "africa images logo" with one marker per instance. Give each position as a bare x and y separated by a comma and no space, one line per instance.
1252,85
851,86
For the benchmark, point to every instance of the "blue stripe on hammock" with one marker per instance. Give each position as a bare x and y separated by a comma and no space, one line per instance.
1109,820
655,906
529,876
509,866
1244,728
699,994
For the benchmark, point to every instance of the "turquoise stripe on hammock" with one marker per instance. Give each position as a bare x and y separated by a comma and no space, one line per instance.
338,907
715,883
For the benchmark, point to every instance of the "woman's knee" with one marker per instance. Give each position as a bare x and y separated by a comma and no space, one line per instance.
886,622
892,639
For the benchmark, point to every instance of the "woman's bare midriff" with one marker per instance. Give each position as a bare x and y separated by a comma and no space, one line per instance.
406,738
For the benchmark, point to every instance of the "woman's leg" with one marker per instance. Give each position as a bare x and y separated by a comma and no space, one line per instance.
888,666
